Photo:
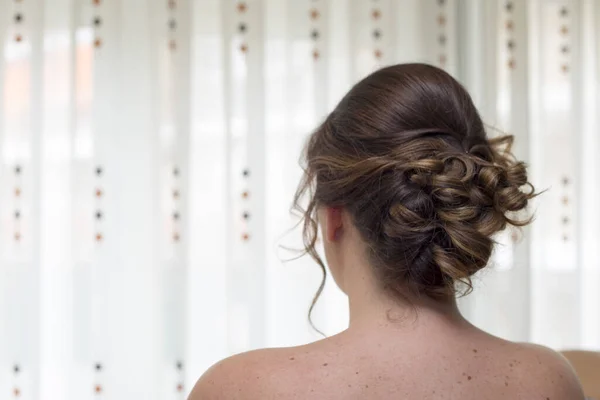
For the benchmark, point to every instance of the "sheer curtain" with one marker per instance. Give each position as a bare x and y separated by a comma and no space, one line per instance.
148,157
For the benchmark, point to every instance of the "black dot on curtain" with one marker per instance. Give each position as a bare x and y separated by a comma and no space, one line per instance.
441,2
176,215
510,44
176,171
564,12
246,215
172,24
442,39
376,33
16,369
564,49
509,6
18,18
565,220
97,21
246,173
179,365
17,169
565,180
17,214
314,34
98,367
242,28
98,214
98,170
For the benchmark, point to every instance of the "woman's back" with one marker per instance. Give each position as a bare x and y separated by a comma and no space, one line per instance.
403,360
408,192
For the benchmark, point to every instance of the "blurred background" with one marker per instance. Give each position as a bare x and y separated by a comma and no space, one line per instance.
149,154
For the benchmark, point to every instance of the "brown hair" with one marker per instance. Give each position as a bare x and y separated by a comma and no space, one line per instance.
405,153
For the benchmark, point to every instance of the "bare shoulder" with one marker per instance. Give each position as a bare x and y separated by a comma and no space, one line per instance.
260,374
546,372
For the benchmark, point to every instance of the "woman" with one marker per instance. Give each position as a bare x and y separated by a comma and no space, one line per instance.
408,192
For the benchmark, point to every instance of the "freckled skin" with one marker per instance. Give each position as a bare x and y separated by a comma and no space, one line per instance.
393,364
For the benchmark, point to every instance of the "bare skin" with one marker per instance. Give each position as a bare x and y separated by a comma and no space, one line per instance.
411,349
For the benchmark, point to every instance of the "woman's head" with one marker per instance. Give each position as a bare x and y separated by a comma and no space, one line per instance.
405,158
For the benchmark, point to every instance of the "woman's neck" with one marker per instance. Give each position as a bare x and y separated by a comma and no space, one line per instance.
369,304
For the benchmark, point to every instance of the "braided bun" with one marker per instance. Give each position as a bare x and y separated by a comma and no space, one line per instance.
406,154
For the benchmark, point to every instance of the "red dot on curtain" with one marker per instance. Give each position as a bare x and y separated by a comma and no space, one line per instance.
172,45
512,64
565,200
17,392
245,237
244,48
96,2
180,387
175,194
376,14
17,236
17,192
510,25
18,38
442,59
242,7
98,193
99,237
176,237
564,68
98,389
378,54
172,4
314,14
316,54
245,194
98,43
564,30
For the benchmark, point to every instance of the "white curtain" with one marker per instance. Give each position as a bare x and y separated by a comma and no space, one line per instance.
148,157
